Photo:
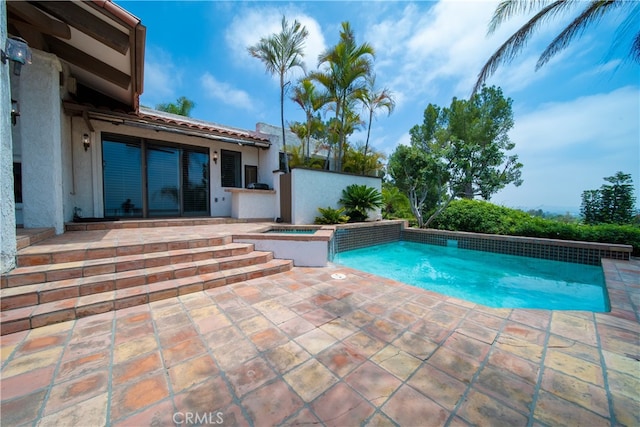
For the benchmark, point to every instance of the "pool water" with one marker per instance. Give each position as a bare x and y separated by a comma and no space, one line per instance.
494,280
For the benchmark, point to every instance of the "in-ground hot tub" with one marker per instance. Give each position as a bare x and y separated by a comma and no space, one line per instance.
307,246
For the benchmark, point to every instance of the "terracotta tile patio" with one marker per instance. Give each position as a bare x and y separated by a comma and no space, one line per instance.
302,348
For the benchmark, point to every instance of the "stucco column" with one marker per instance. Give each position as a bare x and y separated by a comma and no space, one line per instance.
7,204
40,135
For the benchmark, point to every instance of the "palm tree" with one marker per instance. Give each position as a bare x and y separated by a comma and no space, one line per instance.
182,107
592,12
346,66
310,101
373,100
280,53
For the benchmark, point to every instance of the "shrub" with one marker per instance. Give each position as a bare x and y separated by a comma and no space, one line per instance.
359,199
484,217
331,216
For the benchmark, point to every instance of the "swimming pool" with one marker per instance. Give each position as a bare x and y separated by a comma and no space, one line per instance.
494,280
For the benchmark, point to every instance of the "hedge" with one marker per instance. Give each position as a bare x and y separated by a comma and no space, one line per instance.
484,217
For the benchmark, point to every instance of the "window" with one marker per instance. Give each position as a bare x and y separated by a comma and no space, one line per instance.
230,163
250,175
17,182
144,178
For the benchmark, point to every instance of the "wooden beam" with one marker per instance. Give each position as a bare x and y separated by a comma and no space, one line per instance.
88,23
38,19
87,62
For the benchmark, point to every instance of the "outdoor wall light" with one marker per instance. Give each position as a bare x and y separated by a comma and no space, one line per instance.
16,50
15,111
215,157
86,141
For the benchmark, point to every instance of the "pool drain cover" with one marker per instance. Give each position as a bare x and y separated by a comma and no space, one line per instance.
338,276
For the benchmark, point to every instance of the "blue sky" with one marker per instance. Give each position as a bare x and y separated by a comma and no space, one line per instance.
576,119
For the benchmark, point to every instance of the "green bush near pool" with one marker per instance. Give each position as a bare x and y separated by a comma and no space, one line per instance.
484,217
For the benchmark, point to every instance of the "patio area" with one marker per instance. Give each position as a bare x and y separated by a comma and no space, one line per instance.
330,346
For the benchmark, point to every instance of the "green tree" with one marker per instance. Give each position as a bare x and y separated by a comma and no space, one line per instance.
181,107
280,53
613,203
588,13
474,135
421,176
373,100
343,76
460,151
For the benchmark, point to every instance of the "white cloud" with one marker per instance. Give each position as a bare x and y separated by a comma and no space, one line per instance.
161,76
445,45
569,147
225,93
251,24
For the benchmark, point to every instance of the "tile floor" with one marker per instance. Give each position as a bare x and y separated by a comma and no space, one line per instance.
302,348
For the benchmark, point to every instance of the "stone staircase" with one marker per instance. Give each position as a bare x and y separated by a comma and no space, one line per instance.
58,284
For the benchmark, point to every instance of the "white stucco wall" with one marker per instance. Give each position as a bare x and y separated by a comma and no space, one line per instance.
7,214
41,142
252,204
311,189
302,253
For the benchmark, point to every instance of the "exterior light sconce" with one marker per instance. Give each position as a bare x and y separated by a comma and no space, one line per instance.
15,111
86,141
16,50
215,157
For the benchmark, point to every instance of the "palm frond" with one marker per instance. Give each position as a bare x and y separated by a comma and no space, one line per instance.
592,13
514,44
508,8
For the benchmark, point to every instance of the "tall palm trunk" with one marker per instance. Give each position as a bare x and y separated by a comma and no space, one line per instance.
284,142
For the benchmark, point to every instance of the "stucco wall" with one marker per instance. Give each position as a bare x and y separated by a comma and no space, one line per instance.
252,204
41,142
311,189
7,214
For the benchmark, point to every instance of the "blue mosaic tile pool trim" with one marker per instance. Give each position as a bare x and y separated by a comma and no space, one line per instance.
349,237
557,250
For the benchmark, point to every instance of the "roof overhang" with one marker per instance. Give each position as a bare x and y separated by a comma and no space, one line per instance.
171,123
102,44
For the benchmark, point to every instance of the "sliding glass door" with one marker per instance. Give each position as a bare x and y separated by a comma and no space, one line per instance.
151,179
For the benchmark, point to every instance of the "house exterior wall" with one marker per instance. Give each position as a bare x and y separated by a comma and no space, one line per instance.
40,138
7,207
87,166
311,189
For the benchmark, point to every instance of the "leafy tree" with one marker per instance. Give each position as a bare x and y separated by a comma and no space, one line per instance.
182,107
613,203
419,175
374,99
591,12
280,53
345,67
458,151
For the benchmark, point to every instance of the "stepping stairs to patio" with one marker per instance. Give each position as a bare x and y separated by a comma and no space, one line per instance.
48,288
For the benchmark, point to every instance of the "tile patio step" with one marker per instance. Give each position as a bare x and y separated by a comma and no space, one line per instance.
84,268
29,317
51,254
42,293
